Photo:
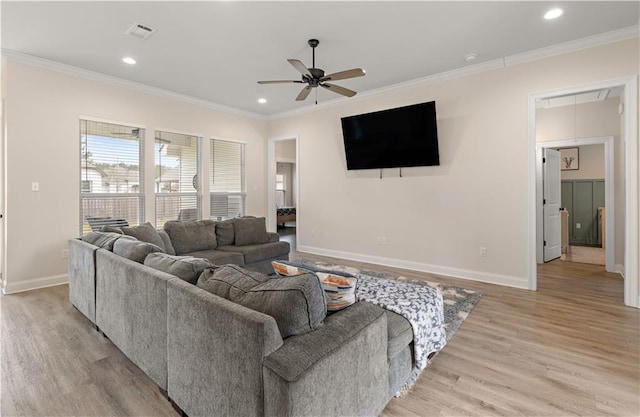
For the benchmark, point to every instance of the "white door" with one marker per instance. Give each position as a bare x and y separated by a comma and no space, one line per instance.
551,204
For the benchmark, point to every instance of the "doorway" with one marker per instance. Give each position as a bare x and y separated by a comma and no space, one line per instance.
602,227
628,110
283,213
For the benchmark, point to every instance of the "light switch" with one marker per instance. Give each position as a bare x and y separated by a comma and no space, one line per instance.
35,186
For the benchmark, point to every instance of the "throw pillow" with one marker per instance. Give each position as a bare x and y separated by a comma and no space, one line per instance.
103,239
296,303
285,270
134,249
250,231
340,291
186,268
145,233
192,235
225,233
168,246
111,229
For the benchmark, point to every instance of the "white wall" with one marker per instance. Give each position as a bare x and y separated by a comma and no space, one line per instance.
43,108
436,218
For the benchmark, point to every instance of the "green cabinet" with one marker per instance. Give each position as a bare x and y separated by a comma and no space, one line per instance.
582,198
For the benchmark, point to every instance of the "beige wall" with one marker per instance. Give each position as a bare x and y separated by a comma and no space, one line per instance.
591,158
286,151
42,110
589,120
437,218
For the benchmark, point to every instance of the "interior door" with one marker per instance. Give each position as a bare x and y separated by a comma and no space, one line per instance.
551,204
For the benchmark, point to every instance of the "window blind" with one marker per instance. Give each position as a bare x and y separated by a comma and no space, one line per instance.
227,179
111,171
177,159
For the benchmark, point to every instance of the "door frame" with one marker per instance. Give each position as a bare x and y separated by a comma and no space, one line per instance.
271,182
609,187
630,139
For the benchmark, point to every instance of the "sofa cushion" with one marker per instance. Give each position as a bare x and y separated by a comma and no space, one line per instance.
250,231
134,249
258,252
340,291
399,333
145,233
191,236
218,257
186,268
225,233
103,239
296,303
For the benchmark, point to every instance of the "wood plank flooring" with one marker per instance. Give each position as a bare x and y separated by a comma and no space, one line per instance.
570,348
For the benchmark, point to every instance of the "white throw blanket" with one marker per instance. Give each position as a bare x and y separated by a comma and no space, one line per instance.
421,305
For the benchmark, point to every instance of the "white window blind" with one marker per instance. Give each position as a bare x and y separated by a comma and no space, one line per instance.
227,179
177,158
111,183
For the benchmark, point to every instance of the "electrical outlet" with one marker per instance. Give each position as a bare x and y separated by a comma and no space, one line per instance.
578,225
483,251
35,186
65,253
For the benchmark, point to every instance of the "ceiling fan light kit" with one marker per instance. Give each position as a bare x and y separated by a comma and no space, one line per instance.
315,77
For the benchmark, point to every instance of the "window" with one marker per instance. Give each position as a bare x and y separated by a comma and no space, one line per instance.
177,159
227,183
280,182
111,170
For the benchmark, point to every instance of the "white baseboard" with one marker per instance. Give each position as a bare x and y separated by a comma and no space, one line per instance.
619,269
422,267
34,284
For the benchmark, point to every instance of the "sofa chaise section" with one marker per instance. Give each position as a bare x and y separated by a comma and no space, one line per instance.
82,277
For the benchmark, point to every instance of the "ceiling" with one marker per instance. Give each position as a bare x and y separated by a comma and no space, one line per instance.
217,51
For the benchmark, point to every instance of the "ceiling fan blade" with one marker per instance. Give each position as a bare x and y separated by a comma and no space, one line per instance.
300,67
343,75
280,82
304,93
338,89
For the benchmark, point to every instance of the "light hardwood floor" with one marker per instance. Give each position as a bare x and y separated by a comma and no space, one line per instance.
571,348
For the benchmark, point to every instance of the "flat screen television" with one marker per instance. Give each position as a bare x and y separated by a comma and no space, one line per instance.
395,138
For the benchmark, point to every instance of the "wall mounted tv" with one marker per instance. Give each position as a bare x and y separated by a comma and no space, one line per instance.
395,138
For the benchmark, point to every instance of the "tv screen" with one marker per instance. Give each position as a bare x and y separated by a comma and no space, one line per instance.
395,138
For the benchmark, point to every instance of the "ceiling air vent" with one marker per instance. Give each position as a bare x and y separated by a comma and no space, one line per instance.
140,31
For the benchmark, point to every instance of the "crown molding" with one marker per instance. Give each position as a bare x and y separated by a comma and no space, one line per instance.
534,55
108,79
576,45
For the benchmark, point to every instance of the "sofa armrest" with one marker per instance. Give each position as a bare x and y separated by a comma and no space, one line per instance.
273,237
82,277
344,363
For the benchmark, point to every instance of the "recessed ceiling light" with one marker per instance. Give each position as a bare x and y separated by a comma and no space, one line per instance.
262,100
553,13
128,60
470,57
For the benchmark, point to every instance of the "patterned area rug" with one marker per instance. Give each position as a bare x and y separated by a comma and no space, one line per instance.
458,302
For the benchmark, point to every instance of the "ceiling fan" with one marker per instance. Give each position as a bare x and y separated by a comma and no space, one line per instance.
315,77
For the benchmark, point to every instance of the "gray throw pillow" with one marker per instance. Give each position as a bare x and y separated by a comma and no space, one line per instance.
191,236
145,233
296,303
111,229
134,249
104,240
187,268
225,234
250,231
168,246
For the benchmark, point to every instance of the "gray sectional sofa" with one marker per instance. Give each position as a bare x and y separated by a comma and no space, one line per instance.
214,356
